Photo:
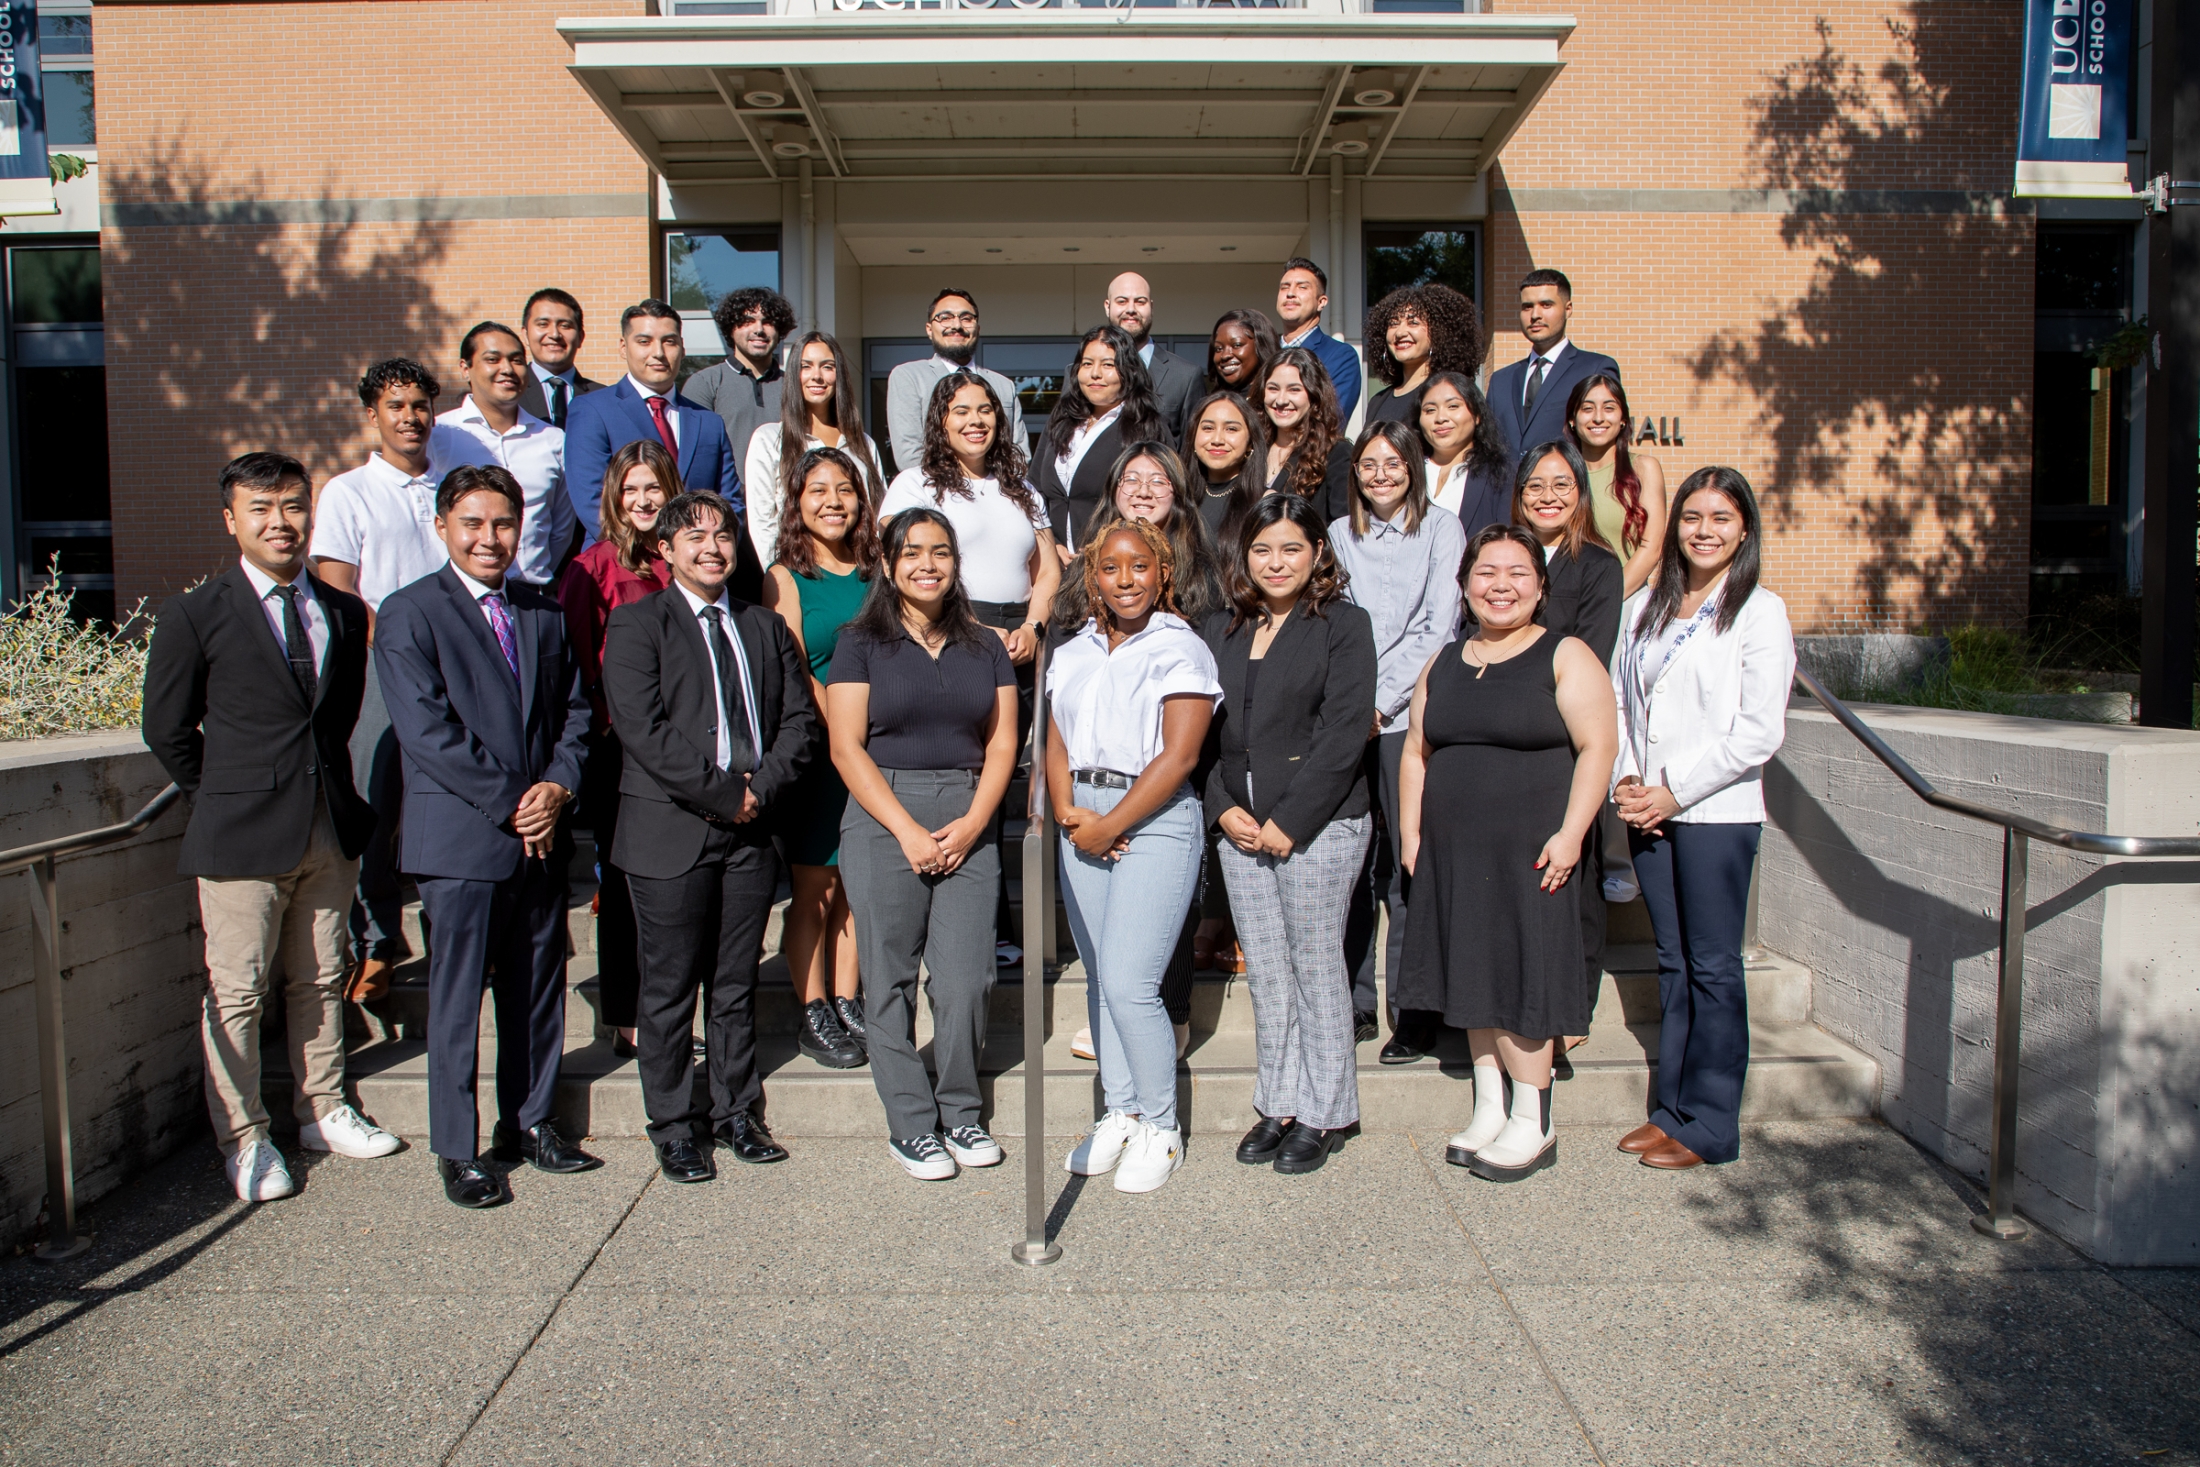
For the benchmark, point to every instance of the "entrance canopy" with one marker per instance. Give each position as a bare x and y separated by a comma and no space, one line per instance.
1013,92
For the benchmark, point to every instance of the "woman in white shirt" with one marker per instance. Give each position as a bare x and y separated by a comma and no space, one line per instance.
1704,671
1131,696
824,411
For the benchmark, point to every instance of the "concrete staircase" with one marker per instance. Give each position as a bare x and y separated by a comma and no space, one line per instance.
1796,1070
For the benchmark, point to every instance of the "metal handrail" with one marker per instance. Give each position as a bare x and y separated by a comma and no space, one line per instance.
2018,833
37,859
1038,853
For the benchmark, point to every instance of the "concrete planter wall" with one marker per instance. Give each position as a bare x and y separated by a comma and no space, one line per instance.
1895,908
132,967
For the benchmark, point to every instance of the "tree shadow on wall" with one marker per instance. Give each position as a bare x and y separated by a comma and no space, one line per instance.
1902,338
237,323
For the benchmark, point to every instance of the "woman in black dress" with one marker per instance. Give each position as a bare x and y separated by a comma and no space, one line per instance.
1506,764
1225,454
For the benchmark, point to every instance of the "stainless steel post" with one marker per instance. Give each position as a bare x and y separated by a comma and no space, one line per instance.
1035,1250
62,1240
2001,1215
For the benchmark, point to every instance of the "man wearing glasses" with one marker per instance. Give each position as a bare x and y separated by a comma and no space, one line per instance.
952,323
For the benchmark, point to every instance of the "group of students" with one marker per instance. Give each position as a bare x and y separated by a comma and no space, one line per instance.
1443,610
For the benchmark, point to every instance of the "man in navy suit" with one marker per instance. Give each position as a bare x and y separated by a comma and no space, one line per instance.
1301,297
1528,398
485,699
646,403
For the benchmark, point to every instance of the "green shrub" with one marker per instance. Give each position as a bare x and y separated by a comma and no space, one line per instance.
62,676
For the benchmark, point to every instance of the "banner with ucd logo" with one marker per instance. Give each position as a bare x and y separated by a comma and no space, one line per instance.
2073,126
25,185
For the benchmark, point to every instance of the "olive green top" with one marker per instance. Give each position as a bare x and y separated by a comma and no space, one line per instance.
1605,508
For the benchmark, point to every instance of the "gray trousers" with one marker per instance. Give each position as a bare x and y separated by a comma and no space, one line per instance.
1290,922
944,922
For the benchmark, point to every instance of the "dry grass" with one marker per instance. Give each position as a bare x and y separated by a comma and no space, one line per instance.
62,676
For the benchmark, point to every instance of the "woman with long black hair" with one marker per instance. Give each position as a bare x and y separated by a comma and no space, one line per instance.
821,408
1625,489
1470,465
1107,402
1704,673
1225,457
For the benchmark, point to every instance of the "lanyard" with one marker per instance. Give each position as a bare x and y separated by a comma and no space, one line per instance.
1695,624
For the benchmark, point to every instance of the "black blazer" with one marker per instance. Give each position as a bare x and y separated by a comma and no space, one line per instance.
1070,506
536,401
1586,593
1176,386
1485,500
1333,500
1304,737
475,738
664,702
1548,422
226,718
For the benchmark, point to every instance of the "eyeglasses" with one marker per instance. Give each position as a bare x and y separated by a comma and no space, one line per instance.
1153,483
1386,472
955,318
1557,491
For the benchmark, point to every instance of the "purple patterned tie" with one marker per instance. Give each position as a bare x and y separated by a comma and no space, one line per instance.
500,622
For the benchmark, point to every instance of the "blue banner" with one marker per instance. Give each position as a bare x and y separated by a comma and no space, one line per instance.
2073,126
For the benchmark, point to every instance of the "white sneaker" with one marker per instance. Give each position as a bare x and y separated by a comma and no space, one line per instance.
1103,1146
1080,1044
347,1133
1620,887
924,1157
1006,954
971,1146
1152,1158
256,1170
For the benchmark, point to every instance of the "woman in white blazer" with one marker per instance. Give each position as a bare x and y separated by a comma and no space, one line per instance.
821,408
1704,670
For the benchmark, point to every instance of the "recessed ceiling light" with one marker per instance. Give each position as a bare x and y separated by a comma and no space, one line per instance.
1150,249
1071,249
915,251
992,249
1227,248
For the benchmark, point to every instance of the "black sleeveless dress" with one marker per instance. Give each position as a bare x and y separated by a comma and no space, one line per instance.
1486,946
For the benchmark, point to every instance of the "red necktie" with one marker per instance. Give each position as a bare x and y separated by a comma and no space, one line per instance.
664,428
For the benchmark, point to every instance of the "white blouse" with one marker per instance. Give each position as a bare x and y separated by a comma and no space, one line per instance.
1108,704
761,490
996,538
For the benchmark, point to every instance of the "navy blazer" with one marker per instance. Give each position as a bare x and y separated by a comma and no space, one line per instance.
601,423
1548,423
1342,363
473,737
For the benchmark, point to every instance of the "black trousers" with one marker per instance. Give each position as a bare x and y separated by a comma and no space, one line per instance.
1382,884
618,964
702,930
517,925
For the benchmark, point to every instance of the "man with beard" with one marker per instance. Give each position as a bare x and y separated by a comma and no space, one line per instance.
952,323
1129,306
745,388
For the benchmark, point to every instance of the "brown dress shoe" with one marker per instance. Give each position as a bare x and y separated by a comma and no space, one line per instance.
1671,1157
370,982
1645,1137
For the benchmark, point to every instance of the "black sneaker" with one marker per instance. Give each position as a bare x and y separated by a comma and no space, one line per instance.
850,1013
971,1146
924,1157
822,1038
1364,1028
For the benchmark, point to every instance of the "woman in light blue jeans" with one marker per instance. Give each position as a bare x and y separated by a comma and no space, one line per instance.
1130,696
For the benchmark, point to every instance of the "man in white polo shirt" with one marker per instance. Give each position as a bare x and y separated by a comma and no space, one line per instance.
489,429
374,531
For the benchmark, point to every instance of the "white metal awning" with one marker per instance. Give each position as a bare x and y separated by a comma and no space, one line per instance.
1010,92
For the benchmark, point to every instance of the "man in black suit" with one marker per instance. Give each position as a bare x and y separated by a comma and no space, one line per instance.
485,699
1176,382
252,685
1528,398
551,322
711,698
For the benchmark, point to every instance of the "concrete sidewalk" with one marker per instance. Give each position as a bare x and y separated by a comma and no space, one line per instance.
1822,1300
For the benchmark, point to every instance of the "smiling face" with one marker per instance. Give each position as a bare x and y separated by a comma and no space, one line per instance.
273,524
1221,439
497,372
1549,497
1098,376
1144,492
1408,339
553,334
1280,560
971,421
829,502
1286,400
953,327
1504,586
403,416
1299,299
819,374
1712,531
482,535
1130,577
701,555
924,571
653,350
1384,476
1129,305
1234,354
755,338
1598,422
641,498
1446,421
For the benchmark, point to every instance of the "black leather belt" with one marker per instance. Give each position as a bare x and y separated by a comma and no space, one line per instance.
1106,779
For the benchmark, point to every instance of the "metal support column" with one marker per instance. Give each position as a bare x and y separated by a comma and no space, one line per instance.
62,1239
1035,1249
2001,1215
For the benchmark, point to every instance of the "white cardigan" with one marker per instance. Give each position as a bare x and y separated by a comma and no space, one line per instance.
762,472
1717,713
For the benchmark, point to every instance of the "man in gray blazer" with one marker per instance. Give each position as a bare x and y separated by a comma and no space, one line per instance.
1176,382
952,324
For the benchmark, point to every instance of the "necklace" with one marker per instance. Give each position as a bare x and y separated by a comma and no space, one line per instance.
1482,665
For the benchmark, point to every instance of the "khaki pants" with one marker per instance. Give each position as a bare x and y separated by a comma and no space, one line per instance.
251,922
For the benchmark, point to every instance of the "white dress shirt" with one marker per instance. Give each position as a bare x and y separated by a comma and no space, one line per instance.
534,452
760,478
1549,357
1108,704
1447,488
1080,441
672,406
723,756
481,592
996,538
382,520
310,610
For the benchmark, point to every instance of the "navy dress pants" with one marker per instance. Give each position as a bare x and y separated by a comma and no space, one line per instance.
1695,880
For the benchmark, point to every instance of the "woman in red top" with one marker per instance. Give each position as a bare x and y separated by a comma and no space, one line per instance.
621,567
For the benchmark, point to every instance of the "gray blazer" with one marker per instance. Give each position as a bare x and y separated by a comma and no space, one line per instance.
909,393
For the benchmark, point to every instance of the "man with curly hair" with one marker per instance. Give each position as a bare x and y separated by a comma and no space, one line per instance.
744,389
1528,397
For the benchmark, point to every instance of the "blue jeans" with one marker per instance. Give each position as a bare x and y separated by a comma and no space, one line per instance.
1125,916
1695,880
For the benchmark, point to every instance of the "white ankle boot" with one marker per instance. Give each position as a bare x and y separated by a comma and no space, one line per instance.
1489,1115
1526,1145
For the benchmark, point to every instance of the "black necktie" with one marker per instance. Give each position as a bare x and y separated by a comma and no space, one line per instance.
557,402
1535,385
732,696
296,644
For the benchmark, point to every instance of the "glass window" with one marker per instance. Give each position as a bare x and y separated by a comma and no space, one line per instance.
64,35
64,463
2082,269
69,119
55,287
702,265
1421,254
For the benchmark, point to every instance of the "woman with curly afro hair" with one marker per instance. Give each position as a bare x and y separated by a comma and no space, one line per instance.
1413,333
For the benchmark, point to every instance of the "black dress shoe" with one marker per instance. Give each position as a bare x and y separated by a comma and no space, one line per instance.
822,1038
1260,1144
748,1139
468,1183
683,1161
850,1011
549,1151
1411,1037
1365,1028
1306,1148
622,1046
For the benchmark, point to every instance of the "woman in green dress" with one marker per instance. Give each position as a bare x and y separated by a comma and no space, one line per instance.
816,586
